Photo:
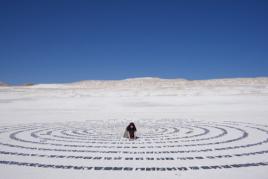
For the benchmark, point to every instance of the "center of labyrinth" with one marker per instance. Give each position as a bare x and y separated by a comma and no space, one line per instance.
163,145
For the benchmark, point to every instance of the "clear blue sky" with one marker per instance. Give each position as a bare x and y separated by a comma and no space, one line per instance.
47,41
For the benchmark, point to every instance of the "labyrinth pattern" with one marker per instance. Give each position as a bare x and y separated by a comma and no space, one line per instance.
163,145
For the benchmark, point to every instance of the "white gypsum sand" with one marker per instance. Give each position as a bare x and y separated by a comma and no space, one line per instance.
187,129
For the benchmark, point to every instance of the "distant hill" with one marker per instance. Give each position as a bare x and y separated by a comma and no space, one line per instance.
167,83
158,83
3,84
28,84
149,86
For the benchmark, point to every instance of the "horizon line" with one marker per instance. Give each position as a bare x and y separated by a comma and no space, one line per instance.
131,78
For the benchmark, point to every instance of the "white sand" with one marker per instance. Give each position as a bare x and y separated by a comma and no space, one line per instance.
158,107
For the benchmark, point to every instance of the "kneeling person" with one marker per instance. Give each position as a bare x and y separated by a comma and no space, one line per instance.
131,129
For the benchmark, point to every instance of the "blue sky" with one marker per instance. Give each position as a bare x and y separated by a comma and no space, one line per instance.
51,41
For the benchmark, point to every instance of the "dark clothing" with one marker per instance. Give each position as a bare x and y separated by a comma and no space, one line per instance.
131,130
131,133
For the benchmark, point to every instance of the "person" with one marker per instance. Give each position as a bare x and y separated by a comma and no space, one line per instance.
131,129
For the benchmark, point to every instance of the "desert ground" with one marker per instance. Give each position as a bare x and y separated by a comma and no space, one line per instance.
186,129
